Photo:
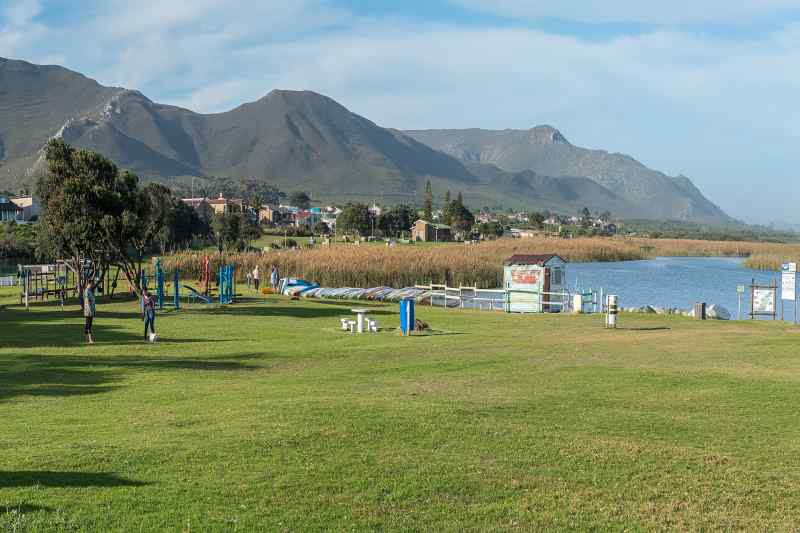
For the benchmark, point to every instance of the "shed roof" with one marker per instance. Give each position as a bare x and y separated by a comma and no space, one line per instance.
432,224
522,259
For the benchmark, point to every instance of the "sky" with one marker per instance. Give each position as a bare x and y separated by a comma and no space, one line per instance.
704,88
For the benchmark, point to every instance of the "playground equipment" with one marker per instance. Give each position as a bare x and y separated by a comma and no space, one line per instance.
160,293
227,284
40,282
158,278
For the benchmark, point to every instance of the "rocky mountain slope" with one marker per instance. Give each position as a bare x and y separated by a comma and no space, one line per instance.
546,151
301,140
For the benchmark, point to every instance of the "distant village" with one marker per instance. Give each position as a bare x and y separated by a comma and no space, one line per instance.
323,220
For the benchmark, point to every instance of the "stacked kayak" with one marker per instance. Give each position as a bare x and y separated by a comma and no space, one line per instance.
376,294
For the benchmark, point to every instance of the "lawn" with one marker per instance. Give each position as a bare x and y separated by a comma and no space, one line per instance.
263,416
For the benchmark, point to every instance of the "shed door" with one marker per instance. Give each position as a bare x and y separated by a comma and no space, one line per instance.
546,288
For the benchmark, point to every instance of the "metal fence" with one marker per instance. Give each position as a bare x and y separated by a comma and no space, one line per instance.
500,299
8,281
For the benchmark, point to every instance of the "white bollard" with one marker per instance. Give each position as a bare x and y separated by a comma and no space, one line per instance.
577,304
612,306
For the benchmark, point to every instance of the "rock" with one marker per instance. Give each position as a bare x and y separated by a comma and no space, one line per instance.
717,312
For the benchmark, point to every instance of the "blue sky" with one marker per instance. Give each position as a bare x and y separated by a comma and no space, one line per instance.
704,88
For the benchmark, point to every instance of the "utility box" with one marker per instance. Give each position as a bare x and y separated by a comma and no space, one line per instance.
535,283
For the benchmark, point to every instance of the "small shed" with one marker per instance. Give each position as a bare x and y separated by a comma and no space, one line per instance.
533,283
425,231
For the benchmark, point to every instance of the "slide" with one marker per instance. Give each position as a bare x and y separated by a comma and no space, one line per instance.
203,298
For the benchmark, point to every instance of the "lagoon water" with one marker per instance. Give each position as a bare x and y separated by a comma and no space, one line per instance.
674,282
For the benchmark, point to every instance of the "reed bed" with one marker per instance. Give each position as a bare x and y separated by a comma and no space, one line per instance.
479,265
772,262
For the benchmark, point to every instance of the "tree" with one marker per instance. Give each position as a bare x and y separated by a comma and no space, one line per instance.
586,217
446,215
157,222
427,210
396,220
491,229
355,218
300,200
461,218
537,219
93,215
321,228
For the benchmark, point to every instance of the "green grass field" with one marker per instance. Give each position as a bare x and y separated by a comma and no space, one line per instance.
263,416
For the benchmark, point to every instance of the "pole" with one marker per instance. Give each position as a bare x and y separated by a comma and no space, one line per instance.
739,313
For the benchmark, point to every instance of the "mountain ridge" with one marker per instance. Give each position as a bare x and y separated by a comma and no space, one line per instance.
300,140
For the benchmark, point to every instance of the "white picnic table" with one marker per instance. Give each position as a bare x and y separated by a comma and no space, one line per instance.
361,318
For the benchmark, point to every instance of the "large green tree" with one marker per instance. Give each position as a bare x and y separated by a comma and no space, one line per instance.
397,220
355,218
93,215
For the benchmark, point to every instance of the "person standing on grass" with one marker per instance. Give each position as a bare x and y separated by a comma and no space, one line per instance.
89,311
256,277
149,313
273,277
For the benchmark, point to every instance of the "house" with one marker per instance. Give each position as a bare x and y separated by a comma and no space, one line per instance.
31,209
306,218
534,283
226,206
11,212
425,231
201,205
272,214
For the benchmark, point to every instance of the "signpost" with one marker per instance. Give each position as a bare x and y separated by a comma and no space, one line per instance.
789,286
740,290
763,300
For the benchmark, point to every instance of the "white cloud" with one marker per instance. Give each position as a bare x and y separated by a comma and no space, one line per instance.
19,13
639,11
18,31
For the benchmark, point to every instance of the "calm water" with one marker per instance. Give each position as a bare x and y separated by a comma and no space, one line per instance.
674,282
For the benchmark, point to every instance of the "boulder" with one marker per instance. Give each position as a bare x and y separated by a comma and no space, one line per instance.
717,312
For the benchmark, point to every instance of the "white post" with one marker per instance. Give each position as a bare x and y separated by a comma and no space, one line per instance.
611,315
360,323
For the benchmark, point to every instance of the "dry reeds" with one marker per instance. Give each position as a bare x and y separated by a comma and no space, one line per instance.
478,265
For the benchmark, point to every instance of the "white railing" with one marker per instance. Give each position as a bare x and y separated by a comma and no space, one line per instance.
501,300
8,281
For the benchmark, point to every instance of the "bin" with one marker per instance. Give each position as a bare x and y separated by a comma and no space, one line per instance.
407,316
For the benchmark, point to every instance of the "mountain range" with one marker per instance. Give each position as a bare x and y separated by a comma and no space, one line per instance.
301,140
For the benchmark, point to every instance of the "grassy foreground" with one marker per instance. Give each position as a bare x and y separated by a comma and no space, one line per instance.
262,416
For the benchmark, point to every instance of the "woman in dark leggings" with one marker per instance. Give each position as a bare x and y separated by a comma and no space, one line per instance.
88,311
149,314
